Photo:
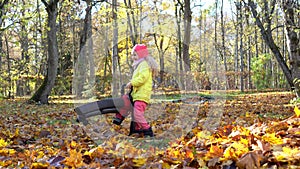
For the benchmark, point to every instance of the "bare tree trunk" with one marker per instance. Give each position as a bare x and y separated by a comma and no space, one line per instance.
115,49
132,27
241,48
2,5
186,42
179,41
90,45
42,94
292,36
8,59
223,44
217,82
236,51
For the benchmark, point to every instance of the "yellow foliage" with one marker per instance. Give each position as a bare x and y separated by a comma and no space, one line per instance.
235,150
189,154
3,143
74,160
166,165
73,144
297,111
7,151
287,154
138,162
214,151
95,152
39,165
271,138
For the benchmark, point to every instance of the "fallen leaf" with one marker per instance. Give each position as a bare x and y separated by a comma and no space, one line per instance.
250,160
297,111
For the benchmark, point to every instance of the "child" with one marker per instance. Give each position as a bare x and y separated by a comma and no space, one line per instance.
141,84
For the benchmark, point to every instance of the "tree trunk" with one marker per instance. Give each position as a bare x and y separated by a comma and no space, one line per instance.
179,44
2,4
115,82
42,94
289,7
186,42
223,45
132,27
236,51
217,82
90,45
9,78
241,49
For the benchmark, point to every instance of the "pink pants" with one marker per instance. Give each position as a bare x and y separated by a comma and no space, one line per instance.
139,108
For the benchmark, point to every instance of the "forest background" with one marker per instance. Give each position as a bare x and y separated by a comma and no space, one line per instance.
81,47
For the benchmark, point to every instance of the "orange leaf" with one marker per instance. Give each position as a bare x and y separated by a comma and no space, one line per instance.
39,166
189,154
214,151
75,160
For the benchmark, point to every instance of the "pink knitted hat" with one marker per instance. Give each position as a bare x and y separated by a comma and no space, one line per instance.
141,50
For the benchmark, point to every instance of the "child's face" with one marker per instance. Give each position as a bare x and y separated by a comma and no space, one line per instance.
134,56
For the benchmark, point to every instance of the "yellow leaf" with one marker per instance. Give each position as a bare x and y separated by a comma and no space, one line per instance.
271,138
39,165
287,154
297,111
7,152
73,144
235,150
166,165
3,143
40,155
214,151
138,162
74,160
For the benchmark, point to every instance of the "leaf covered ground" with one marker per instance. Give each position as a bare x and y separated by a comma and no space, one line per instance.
246,131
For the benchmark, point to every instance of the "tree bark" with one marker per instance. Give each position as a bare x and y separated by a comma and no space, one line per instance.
132,27
2,5
223,44
186,42
115,49
289,7
44,91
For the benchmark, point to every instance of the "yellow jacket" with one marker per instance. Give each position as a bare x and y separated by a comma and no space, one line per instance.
142,82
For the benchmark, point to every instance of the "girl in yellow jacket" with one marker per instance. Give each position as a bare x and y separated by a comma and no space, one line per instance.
141,84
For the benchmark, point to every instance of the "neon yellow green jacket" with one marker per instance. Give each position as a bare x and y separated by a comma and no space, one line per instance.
142,82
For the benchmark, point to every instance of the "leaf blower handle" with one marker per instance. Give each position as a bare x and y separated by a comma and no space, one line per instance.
129,95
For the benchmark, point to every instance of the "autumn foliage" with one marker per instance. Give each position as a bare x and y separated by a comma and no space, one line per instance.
255,131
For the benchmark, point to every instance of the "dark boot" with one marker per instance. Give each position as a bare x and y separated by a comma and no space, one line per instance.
142,133
132,128
118,119
148,132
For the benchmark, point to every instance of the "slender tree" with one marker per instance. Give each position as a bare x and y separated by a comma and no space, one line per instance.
2,11
115,54
223,53
43,93
186,41
85,57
